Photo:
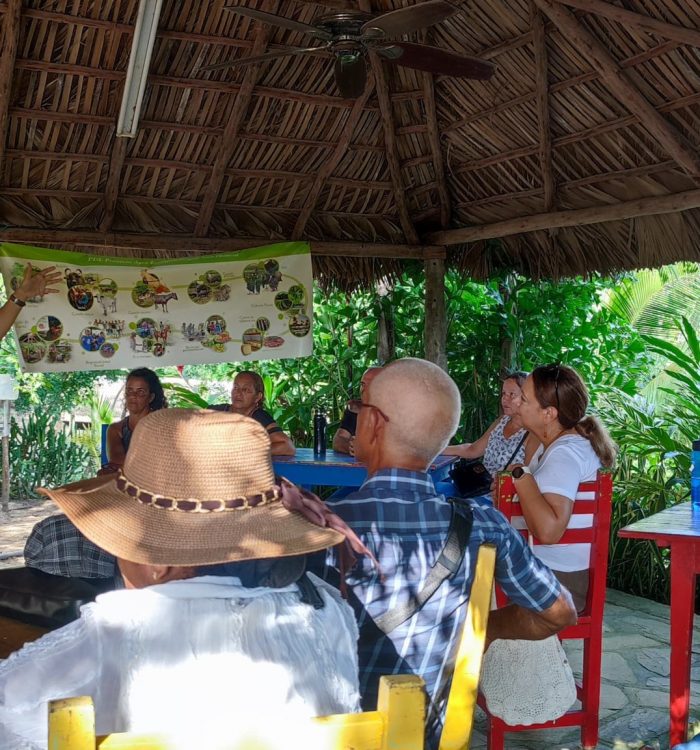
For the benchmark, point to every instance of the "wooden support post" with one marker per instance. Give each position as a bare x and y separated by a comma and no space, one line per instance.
6,455
435,335
8,54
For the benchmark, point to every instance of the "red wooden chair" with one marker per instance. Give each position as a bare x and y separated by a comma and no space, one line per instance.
594,498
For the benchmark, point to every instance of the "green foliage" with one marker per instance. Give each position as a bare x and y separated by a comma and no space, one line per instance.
43,456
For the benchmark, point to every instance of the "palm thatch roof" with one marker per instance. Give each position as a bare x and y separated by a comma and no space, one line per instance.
580,154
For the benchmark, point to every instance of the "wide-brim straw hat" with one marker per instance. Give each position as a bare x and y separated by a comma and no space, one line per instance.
197,488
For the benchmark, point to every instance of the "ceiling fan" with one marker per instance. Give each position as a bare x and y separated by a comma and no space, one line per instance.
348,36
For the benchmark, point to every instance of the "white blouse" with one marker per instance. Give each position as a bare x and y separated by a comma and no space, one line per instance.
199,657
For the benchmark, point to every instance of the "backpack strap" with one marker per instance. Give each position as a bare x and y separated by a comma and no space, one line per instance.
447,564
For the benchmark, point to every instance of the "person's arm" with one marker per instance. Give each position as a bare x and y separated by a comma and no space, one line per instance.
280,443
514,621
546,515
116,455
342,441
31,286
471,450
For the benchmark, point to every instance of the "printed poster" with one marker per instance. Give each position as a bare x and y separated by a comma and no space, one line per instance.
115,313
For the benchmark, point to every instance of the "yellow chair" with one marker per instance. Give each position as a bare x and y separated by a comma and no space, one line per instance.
459,714
397,724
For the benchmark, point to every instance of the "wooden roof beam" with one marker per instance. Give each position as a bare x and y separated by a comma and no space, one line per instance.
658,204
116,162
8,53
436,149
191,245
542,86
332,161
637,20
619,84
229,139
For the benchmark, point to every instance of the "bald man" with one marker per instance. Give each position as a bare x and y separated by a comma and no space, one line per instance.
344,438
408,414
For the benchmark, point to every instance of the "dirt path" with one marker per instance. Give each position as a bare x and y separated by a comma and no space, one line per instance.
16,525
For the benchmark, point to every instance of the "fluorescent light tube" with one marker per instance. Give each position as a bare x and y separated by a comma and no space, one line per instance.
139,63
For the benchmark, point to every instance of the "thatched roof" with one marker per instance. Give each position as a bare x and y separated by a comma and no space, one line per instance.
593,114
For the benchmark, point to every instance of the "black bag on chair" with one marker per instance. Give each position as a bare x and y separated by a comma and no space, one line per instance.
470,477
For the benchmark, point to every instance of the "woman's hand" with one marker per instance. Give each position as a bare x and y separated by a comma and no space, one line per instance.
37,284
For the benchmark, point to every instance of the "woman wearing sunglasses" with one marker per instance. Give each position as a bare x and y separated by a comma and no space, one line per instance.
573,447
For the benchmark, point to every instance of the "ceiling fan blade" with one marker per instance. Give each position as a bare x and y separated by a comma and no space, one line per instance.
281,21
435,60
407,20
264,58
350,74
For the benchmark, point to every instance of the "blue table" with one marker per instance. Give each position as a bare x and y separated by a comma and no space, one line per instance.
338,469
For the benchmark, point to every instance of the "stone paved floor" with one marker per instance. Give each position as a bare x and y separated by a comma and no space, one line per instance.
634,699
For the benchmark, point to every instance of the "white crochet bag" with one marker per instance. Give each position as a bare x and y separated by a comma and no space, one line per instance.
527,682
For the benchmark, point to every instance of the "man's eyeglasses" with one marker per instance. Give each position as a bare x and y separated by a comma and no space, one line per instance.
357,405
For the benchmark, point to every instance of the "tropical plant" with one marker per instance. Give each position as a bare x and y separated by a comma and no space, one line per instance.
44,454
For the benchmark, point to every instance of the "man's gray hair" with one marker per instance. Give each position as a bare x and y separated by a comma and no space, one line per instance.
423,405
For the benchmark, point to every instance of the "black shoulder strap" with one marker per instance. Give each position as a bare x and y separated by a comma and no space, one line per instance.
447,564
515,452
308,593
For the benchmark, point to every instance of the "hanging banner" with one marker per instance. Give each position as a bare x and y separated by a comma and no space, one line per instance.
132,312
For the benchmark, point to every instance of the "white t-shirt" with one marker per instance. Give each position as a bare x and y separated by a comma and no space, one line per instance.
559,470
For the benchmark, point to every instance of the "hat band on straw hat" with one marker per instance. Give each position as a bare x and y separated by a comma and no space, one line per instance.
192,505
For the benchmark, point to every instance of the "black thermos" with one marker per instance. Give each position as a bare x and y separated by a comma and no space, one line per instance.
319,433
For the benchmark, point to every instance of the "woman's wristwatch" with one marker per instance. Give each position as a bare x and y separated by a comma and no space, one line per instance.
519,471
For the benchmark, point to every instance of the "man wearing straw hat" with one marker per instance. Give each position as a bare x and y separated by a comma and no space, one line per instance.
188,648
407,416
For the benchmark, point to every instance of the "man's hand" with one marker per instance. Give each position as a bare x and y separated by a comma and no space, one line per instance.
37,284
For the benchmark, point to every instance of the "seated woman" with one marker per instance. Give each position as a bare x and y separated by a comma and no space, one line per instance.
143,394
247,396
501,439
573,447
202,652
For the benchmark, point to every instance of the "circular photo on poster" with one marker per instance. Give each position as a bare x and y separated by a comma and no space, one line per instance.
107,350
59,352
299,325
222,293
262,324
49,328
33,348
90,279
145,327
199,293
142,295
158,349
73,277
246,349
91,338
80,298
282,301
297,294
273,341
253,338
215,325
272,266
108,287
213,278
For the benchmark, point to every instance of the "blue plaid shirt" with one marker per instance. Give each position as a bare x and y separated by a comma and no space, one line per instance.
404,522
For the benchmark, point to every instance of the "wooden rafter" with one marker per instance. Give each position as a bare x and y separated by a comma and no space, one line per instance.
189,244
619,83
389,130
663,204
569,138
542,85
8,53
116,162
332,161
637,20
229,140
436,149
